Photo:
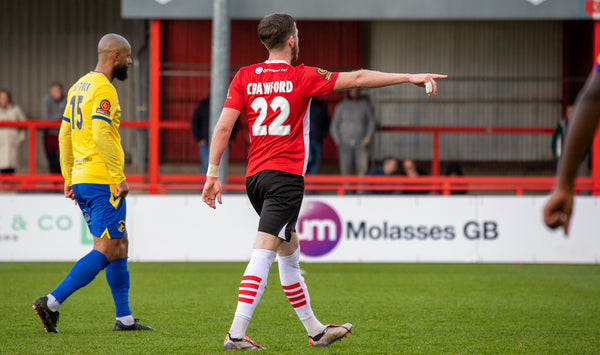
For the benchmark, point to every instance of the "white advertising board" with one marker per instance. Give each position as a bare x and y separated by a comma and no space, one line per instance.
466,229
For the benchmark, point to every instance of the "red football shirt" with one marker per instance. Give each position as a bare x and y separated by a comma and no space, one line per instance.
275,98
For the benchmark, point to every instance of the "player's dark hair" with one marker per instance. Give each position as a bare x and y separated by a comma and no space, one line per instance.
275,29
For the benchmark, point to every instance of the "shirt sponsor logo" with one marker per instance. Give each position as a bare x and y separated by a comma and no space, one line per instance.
82,160
275,70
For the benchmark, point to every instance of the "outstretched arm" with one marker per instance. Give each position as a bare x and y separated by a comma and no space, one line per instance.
581,132
375,79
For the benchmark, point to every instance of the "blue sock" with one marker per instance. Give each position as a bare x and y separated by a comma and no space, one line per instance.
82,273
117,277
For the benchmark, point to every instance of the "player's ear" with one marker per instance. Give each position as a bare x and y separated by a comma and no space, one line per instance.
291,41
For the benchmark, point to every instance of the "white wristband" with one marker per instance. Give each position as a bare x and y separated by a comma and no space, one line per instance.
213,170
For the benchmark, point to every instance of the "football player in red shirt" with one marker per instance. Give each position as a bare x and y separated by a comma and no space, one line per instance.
275,97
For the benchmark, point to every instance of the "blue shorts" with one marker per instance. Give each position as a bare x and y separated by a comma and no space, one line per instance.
104,214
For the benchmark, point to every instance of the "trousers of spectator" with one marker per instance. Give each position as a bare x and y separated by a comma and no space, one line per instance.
353,156
203,150
52,152
315,148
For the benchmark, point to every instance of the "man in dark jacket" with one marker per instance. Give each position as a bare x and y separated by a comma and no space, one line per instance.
319,128
200,123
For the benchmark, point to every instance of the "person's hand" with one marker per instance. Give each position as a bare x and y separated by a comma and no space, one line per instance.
422,79
558,209
212,189
366,141
122,189
70,194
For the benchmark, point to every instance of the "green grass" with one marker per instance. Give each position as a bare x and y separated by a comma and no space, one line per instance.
395,309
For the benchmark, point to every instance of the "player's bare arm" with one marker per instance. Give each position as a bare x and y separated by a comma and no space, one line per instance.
212,187
559,207
581,131
374,79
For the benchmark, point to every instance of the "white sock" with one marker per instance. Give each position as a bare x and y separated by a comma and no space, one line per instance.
251,289
52,303
127,320
297,293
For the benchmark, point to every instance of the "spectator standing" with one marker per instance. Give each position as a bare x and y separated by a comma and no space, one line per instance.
200,123
10,138
200,130
352,128
53,107
319,128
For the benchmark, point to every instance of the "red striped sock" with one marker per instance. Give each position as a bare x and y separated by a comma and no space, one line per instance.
249,288
295,294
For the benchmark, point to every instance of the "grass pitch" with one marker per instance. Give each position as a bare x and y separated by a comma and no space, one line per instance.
395,309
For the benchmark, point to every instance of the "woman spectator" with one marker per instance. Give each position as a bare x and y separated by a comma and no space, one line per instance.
10,138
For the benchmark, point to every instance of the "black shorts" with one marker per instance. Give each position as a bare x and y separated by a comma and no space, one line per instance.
277,197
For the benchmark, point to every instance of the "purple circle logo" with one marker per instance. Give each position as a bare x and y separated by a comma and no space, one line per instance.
319,228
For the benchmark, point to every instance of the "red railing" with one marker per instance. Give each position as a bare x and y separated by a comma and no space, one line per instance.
437,130
154,182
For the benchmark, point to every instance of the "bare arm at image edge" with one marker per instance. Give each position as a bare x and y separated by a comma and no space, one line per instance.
559,207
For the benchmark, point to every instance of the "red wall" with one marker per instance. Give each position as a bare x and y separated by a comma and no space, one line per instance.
333,45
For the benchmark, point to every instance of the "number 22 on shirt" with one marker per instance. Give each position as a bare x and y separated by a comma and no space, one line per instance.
277,126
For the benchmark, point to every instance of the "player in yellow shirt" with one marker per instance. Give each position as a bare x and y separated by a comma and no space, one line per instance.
92,163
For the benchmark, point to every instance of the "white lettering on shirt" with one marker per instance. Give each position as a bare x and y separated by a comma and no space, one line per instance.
82,86
271,87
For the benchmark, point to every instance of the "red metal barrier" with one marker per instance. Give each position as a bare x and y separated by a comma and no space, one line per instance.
153,182
437,130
